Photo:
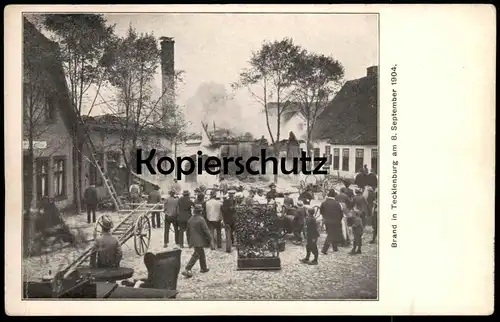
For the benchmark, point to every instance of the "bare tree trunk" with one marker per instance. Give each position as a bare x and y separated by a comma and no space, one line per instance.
77,177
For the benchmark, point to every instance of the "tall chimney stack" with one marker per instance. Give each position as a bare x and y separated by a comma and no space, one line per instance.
167,73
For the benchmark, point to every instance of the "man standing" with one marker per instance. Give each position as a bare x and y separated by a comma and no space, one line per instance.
199,237
312,235
361,203
229,218
91,199
200,199
214,218
170,210
223,186
298,222
371,179
107,251
271,194
135,193
332,217
360,179
185,204
154,198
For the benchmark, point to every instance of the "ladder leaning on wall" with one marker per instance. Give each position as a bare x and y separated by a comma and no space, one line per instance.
98,164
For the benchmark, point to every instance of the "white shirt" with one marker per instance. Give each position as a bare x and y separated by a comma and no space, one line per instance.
213,207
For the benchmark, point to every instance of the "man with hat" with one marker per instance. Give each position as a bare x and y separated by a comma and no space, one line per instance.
271,194
170,210
361,203
229,217
214,218
107,251
332,217
199,237
91,200
184,206
135,192
154,198
298,222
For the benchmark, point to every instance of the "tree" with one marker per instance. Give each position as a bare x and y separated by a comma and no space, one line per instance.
83,40
132,64
316,79
270,71
36,90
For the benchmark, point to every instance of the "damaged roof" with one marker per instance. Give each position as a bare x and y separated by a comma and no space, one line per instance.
110,122
352,116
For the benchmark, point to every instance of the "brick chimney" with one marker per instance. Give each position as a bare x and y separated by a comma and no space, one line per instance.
167,72
372,71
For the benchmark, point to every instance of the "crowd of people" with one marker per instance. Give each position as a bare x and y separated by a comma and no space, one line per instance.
199,220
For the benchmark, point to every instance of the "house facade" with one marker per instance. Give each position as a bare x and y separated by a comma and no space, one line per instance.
345,132
108,135
46,122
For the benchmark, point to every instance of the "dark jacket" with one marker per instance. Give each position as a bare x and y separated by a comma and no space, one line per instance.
199,234
184,206
331,211
271,195
300,214
360,180
154,197
343,198
228,210
357,226
311,228
170,207
371,180
90,196
108,252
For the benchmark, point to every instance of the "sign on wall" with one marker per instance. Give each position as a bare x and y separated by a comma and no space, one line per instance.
36,145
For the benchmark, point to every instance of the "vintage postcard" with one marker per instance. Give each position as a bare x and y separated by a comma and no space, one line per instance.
290,159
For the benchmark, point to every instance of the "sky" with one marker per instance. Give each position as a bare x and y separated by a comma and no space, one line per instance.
214,48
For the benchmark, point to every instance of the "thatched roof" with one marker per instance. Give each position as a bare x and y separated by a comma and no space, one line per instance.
352,116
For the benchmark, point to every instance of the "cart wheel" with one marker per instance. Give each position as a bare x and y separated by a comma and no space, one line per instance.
142,235
98,225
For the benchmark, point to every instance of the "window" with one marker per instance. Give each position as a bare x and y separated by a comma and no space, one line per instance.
95,177
317,154
345,159
59,177
359,159
42,178
328,155
49,108
375,160
336,158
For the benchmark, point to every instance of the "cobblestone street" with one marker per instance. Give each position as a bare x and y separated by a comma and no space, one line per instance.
338,275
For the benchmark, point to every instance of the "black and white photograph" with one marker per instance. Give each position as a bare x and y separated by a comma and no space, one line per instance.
105,93
249,159
108,97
